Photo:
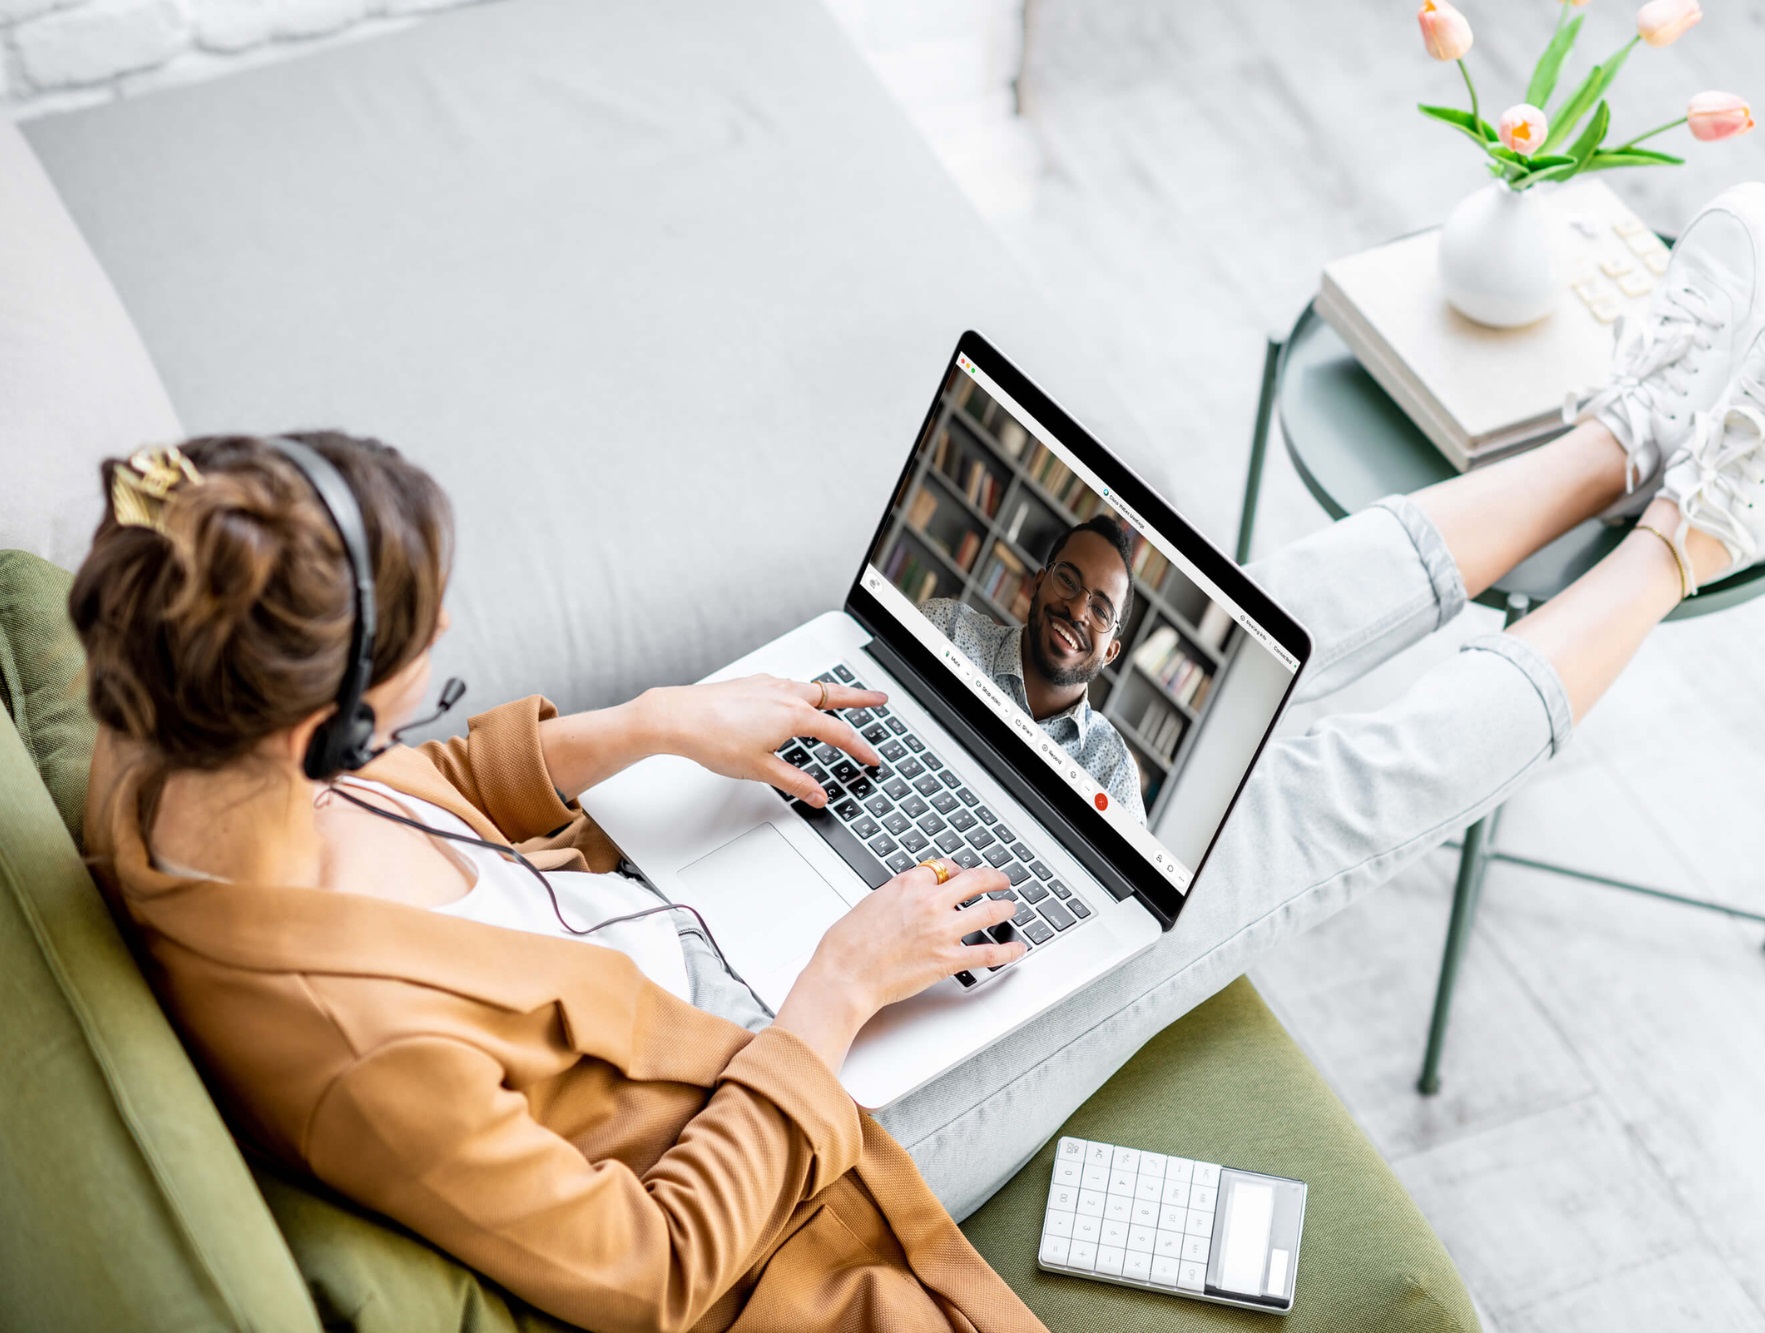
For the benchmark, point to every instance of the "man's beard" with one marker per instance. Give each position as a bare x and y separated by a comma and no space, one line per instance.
1055,675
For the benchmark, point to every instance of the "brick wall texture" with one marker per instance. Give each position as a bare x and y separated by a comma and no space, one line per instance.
60,53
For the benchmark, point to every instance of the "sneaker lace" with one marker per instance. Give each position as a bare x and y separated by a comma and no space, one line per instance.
1729,466
1647,354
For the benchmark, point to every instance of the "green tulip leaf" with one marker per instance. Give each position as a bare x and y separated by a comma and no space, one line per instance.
1550,64
1563,123
1631,157
1594,135
1477,130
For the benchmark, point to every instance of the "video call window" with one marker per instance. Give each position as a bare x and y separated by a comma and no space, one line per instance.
970,540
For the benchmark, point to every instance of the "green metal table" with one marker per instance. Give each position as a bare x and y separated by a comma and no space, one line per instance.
1352,444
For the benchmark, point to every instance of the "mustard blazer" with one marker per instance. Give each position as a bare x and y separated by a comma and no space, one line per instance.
536,1106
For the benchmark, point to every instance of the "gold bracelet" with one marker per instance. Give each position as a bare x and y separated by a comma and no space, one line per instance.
1685,588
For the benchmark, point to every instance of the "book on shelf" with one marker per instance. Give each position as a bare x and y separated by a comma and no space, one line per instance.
1160,727
1216,624
913,576
924,505
1004,575
1480,393
1149,564
982,488
967,549
1163,658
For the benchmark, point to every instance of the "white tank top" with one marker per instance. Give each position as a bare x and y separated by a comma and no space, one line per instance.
504,894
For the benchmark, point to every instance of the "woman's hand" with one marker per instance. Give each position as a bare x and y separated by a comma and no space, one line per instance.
732,727
899,940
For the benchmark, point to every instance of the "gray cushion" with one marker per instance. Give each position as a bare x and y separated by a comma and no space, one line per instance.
660,290
75,383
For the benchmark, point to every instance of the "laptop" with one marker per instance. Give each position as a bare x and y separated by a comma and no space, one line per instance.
990,577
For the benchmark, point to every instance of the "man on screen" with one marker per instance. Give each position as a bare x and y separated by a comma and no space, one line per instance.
1079,600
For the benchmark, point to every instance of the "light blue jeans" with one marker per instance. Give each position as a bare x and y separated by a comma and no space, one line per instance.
1325,817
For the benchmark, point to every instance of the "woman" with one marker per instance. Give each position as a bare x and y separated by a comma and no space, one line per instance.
611,1127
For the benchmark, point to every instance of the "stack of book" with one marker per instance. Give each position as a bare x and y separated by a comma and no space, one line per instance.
1160,727
1003,578
1479,393
916,577
1162,657
1058,480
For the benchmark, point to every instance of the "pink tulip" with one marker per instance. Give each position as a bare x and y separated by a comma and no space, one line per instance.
1663,22
1445,32
1523,128
1713,116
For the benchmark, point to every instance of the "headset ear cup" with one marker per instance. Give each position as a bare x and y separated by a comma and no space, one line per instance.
361,738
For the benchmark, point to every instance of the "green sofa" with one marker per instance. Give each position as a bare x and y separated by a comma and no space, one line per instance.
125,1203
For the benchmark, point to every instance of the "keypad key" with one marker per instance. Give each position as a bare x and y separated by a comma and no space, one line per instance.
1207,1174
966,858
979,836
976,937
1082,1256
1004,893
882,846
967,797
930,824
845,674
878,806
900,862
986,816
1034,892
944,803
796,756
1026,916
828,754
1018,849
1109,1259
895,725
948,842
1164,1271
966,978
846,771
931,760
913,807
1060,890
951,780
1191,1277
1198,1221
893,751
1005,834
1016,873
1039,931
1005,933
881,710
1058,916
1136,1266
928,785
997,855
876,733
1040,870
1077,907
861,788
865,828
910,767
1195,1249
897,788
848,810
914,841
897,823
834,791
961,820
1202,1196
914,743
859,717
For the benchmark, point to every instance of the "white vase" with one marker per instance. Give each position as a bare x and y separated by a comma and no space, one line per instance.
1498,260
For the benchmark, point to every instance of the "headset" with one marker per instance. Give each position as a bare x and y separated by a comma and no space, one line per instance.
344,741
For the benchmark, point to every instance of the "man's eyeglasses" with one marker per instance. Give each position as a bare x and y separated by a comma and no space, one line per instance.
1099,610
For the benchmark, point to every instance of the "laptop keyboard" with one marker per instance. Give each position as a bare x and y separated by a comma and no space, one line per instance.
885,820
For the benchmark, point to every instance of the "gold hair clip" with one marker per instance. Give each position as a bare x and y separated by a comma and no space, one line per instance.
140,487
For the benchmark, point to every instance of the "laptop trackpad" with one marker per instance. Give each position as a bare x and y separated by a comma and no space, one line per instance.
764,902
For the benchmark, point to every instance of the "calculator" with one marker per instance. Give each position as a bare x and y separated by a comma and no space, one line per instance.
1164,1223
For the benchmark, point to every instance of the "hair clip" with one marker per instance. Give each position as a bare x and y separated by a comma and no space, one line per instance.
139,488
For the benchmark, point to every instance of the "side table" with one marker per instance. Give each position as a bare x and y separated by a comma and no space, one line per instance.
1352,444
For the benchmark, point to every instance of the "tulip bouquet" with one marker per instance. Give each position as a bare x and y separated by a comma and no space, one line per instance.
1527,147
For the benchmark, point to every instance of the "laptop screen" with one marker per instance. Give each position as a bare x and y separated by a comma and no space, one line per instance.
1137,671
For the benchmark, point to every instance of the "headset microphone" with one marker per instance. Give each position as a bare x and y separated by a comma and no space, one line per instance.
452,691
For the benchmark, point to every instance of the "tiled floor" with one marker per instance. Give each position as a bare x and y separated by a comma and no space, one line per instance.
1595,1160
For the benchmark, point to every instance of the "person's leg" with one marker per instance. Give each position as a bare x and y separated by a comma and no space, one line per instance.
1324,818
1378,581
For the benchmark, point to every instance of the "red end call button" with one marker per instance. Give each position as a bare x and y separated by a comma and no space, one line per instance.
1102,800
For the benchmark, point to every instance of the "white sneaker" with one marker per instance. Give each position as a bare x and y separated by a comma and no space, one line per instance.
1678,359
1717,477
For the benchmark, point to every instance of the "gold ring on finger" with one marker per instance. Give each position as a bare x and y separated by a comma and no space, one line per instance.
938,868
821,703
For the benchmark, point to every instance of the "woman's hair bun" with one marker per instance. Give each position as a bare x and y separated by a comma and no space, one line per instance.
229,618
